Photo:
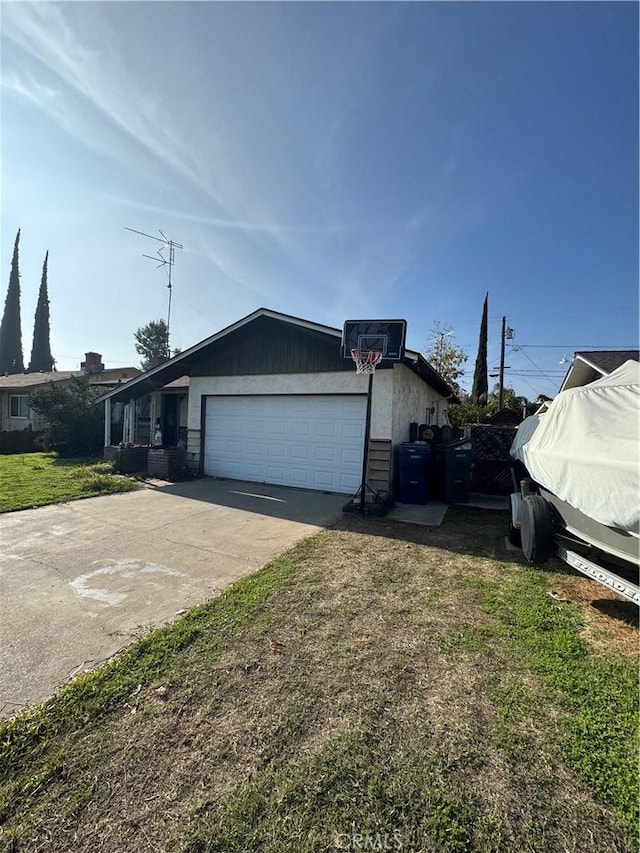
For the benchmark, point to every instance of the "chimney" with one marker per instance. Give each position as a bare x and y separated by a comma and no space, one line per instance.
92,363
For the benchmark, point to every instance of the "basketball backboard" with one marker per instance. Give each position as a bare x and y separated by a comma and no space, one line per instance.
386,336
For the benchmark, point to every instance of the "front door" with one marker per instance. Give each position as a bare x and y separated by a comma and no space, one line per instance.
170,422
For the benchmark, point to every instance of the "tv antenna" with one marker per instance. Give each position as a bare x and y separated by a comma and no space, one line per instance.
166,262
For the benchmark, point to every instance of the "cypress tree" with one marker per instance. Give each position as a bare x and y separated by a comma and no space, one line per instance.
10,329
480,387
41,358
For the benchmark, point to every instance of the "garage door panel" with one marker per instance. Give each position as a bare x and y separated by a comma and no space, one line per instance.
351,430
275,473
324,454
320,440
325,479
327,430
299,477
351,408
349,483
234,469
299,452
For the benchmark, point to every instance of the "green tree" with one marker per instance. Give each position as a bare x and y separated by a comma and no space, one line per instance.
11,360
72,423
468,412
480,387
152,343
444,356
510,400
471,412
41,358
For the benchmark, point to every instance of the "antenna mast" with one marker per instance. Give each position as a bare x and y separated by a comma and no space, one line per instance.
167,263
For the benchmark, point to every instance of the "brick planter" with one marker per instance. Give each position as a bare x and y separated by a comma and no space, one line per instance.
128,460
167,463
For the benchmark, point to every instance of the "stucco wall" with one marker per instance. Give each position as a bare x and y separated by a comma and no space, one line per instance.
292,383
288,383
382,404
398,398
411,399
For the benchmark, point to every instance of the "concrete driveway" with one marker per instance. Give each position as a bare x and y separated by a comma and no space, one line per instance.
81,580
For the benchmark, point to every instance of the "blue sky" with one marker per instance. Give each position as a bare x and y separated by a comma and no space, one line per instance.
327,160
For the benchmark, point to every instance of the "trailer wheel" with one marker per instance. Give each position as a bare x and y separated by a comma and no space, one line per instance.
535,530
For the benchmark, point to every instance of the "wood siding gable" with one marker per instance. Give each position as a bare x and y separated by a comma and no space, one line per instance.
271,346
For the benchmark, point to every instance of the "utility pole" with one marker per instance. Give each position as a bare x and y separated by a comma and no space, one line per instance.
505,334
501,391
164,262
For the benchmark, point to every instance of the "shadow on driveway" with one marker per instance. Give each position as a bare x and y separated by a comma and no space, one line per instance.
300,505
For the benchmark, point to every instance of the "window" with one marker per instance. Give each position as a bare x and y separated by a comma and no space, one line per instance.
18,407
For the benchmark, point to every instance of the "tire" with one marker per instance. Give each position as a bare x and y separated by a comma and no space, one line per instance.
536,530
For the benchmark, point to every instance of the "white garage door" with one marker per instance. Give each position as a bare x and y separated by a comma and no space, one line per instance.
314,441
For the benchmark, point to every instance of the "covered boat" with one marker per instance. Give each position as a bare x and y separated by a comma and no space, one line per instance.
581,497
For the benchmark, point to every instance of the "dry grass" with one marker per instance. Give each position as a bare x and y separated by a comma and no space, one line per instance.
372,691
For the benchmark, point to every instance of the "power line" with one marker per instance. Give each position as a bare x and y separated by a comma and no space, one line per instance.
573,346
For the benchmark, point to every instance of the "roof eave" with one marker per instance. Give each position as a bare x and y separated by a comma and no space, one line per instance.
260,312
437,382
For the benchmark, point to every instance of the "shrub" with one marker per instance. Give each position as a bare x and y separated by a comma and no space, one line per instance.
72,423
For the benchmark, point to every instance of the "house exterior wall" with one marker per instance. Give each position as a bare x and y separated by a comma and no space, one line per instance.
7,423
411,399
293,383
105,380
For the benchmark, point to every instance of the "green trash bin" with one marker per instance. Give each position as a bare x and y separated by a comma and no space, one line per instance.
453,465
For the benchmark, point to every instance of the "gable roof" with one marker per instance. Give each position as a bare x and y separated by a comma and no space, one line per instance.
589,365
108,377
22,381
181,364
606,361
505,417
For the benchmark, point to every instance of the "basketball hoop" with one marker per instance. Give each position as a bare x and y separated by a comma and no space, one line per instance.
366,360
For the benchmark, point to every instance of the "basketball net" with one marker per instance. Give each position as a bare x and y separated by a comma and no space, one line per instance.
366,360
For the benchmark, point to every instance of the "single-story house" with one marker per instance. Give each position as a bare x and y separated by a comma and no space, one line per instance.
587,366
16,388
271,399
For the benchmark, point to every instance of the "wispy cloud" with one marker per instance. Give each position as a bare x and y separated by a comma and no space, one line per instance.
282,194
274,228
42,30
27,87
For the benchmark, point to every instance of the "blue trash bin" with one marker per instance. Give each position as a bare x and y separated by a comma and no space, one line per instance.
413,462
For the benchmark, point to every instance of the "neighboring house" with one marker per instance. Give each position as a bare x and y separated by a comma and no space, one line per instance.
505,417
16,388
271,399
588,366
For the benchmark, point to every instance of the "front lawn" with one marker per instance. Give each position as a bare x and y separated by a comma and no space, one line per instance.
34,479
380,686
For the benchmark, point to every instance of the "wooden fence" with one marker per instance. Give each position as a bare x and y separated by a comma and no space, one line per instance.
19,441
491,466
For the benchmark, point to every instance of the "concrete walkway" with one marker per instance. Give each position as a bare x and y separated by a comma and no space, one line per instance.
432,513
81,580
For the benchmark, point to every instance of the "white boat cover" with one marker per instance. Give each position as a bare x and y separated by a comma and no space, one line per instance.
586,448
